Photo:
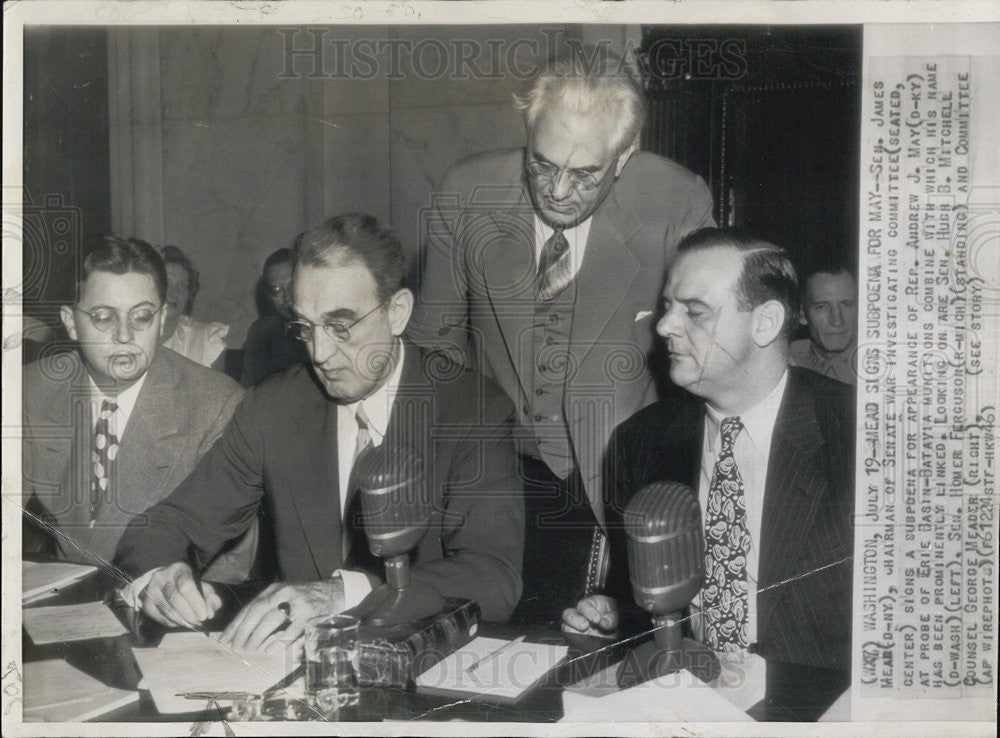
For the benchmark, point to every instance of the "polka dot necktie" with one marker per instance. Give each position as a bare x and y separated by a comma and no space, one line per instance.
724,601
554,267
103,456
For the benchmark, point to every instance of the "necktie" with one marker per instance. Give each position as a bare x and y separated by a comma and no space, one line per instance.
352,506
104,453
554,267
727,542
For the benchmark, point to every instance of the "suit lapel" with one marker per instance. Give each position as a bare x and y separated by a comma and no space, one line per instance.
608,269
508,270
309,449
796,482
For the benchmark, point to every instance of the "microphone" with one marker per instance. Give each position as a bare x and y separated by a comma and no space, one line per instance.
396,508
666,561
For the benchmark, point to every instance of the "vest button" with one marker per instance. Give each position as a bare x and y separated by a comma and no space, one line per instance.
538,417
542,368
539,392
553,317
549,341
526,409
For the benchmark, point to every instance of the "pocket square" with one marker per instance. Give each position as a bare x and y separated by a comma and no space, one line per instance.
642,314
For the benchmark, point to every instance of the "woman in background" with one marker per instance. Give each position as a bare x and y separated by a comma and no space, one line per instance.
204,343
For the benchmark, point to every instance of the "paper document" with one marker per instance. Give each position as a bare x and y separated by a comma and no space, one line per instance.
492,669
39,580
194,662
60,623
54,691
680,697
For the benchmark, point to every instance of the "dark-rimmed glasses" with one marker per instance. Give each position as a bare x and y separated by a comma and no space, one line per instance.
305,330
107,319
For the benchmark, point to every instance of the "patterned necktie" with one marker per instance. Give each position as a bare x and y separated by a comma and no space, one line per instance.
554,267
727,543
104,453
352,507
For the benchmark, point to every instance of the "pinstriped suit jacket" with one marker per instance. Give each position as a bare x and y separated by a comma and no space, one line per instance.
181,409
807,537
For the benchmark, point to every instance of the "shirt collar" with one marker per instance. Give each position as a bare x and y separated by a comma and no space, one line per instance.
758,421
378,405
125,400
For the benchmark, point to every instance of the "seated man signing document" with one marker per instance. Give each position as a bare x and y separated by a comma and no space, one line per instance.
293,441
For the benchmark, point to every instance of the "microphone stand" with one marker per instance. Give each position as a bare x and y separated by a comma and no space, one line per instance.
399,600
668,653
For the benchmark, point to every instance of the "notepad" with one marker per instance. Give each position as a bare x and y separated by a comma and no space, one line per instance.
40,579
492,670
194,662
54,691
60,623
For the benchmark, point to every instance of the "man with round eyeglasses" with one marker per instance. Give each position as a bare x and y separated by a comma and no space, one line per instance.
543,267
292,445
112,426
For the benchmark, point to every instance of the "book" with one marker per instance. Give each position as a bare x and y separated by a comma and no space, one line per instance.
54,691
393,656
39,580
492,670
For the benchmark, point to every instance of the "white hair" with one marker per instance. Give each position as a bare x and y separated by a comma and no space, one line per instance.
589,81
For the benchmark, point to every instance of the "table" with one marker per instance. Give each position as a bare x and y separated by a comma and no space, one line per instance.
110,660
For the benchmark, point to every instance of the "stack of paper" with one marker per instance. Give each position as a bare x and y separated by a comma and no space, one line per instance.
491,669
193,662
40,580
54,691
71,623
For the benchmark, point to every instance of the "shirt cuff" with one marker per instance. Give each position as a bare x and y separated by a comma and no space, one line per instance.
356,587
132,592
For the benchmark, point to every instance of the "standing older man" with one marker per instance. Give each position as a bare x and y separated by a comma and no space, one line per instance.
769,451
543,267
294,440
830,312
115,425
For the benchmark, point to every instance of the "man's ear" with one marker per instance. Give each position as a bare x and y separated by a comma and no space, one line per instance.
68,318
623,159
802,317
163,321
768,320
400,308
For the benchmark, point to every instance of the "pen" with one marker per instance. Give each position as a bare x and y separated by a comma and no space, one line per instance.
492,654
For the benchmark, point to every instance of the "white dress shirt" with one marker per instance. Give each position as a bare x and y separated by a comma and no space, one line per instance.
125,400
576,237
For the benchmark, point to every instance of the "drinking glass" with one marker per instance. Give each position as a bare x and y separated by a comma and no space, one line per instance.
331,656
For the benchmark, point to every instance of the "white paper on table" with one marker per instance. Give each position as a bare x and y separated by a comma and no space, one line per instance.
679,697
39,579
54,691
504,676
194,662
59,623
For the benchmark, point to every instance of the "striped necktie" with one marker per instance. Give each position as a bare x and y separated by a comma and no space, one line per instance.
554,268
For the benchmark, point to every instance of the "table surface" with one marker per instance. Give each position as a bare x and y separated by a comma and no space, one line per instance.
110,660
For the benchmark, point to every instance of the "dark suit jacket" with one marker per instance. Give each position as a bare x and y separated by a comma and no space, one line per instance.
478,287
282,445
180,411
807,536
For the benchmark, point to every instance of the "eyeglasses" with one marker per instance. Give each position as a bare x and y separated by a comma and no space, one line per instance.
106,319
305,330
580,179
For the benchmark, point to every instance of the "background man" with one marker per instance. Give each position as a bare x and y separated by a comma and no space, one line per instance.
543,267
269,347
769,452
113,426
830,311
294,440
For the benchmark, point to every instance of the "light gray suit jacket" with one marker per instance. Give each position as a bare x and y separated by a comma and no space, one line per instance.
477,293
180,411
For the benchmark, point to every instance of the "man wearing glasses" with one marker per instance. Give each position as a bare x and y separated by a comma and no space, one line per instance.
293,443
113,426
543,268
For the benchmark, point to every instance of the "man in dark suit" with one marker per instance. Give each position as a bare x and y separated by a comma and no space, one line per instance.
293,442
543,268
769,451
113,426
